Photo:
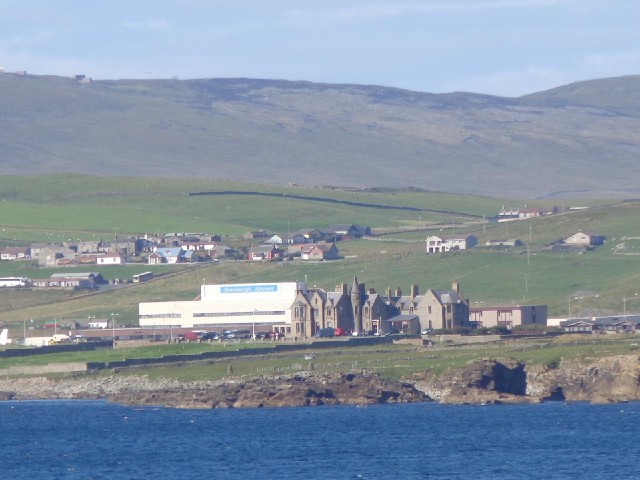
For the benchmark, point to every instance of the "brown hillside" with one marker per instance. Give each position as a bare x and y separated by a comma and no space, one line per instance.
577,140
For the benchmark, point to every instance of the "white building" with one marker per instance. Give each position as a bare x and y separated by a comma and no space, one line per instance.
228,305
446,243
109,260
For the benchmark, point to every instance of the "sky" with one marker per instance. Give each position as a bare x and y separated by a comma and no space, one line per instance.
497,47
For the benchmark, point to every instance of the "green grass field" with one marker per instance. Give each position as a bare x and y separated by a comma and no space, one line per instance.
390,360
53,208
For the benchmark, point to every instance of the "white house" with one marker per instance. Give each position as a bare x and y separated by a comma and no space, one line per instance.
585,238
109,260
446,243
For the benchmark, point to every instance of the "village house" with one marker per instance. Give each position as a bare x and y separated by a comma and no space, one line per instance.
606,325
70,280
15,253
110,259
585,239
49,256
260,234
264,252
507,214
93,247
350,230
447,243
198,245
508,316
504,243
444,309
320,251
220,251
169,255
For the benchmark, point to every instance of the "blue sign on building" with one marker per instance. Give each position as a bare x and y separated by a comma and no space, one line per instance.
249,289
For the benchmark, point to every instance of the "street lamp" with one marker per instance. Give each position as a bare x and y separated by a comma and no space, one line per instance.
253,324
113,329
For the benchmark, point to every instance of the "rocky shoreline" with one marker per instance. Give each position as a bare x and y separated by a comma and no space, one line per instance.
601,380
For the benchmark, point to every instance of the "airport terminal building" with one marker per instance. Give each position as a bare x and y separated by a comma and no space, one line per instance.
259,306
295,311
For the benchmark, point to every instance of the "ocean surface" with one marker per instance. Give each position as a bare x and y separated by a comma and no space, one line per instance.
98,440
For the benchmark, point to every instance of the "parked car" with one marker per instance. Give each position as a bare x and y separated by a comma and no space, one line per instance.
243,334
211,336
263,335
195,335
325,333
341,332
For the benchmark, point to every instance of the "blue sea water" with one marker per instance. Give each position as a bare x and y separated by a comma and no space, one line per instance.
98,440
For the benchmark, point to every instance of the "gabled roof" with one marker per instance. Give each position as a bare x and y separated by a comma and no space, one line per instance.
263,248
448,297
404,301
170,251
403,318
323,247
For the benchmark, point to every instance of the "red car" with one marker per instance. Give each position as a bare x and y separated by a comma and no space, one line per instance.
340,332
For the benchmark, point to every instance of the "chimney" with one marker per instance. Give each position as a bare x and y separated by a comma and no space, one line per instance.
342,288
414,291
456,287
371,291
398,292
388,292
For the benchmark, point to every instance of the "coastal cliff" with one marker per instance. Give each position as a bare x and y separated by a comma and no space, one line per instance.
599,380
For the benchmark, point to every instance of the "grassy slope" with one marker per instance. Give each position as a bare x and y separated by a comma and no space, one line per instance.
392,361
53,208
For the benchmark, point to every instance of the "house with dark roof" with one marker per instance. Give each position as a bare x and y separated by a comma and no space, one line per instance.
350,230
443,309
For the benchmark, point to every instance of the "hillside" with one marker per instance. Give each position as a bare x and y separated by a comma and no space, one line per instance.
548,144
71,208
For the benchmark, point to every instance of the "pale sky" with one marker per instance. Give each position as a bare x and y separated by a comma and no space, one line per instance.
498,47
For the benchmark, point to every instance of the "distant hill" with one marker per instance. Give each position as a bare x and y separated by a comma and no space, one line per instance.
577,140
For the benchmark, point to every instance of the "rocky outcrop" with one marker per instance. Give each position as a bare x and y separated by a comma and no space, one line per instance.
283,391
603,379
482,381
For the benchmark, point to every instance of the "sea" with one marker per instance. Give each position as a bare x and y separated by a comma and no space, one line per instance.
100,440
